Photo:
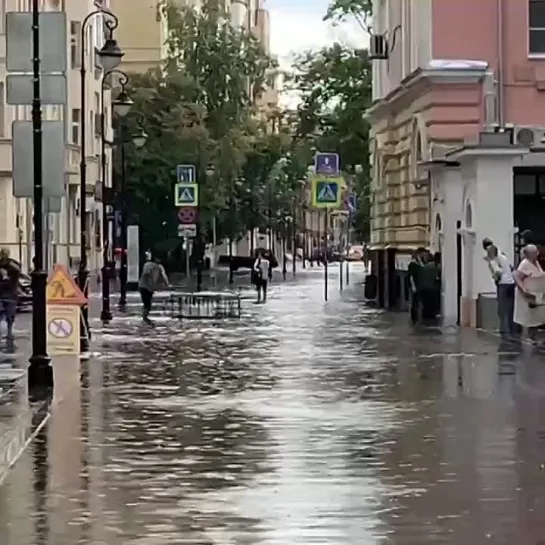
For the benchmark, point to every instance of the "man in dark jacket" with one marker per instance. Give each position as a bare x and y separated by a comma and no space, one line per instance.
9,287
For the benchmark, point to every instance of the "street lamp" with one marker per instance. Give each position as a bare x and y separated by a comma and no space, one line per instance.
40,372
122,105
138,139
110,56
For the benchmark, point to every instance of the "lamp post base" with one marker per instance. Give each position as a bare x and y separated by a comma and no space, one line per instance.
106,313
40,378
123,285
83,283
40,372
106,316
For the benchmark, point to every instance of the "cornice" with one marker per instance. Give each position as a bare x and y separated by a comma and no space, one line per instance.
418,80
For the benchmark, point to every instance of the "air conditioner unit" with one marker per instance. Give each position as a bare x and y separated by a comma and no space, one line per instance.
528,135
378,47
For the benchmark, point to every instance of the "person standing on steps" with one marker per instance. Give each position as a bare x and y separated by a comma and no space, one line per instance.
415,266
260,275
9,290
153,277
527,313
502,275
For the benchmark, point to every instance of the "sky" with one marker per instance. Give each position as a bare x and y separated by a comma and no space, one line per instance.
297,25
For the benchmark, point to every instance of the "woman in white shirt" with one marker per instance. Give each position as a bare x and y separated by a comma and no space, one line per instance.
502,274
528,311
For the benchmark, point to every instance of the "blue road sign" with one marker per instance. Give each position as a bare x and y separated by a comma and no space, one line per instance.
327,164
186,174
326,193
186,195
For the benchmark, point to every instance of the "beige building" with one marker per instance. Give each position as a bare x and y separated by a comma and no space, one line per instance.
61,229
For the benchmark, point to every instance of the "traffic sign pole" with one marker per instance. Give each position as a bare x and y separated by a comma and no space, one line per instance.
187,263
348,248
326,257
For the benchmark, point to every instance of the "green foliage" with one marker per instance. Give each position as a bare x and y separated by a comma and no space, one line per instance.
228,64
359,10
199,108
335,87
196,109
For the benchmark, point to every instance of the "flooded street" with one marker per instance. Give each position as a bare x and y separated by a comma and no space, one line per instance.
303,423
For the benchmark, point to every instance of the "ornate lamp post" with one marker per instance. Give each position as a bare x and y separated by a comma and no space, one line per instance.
139,139
110,56
122,107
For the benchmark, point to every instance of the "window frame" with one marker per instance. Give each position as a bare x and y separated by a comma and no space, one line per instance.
75,127
530,28
75,44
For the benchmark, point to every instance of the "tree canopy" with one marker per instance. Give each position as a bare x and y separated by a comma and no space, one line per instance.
202,107
335,88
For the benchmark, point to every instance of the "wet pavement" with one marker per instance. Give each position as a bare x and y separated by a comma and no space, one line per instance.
302,423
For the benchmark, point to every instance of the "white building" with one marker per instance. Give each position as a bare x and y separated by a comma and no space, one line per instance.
62,233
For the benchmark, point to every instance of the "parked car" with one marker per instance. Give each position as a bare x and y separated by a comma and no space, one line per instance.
355,253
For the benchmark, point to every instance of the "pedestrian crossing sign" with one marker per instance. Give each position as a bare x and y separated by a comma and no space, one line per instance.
327,192
186,195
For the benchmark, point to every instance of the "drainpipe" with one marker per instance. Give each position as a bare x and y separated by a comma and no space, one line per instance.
501,64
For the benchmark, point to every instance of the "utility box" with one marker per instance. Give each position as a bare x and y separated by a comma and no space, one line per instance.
487,312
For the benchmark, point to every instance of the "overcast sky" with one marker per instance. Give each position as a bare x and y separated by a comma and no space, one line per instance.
297,25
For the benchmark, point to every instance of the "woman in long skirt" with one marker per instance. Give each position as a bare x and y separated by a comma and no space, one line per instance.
528,311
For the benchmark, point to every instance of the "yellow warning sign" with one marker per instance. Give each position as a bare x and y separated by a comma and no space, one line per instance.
62,290
63,330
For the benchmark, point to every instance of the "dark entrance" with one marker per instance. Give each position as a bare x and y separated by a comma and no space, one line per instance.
528,206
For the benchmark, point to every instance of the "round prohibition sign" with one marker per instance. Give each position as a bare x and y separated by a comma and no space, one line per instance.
187,214
60,328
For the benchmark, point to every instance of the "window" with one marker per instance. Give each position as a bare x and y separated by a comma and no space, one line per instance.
2,110
92,130
75,44
2,16
406,34
96,115
536,27
75,126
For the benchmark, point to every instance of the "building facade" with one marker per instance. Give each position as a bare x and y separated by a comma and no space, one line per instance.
61,228
447,72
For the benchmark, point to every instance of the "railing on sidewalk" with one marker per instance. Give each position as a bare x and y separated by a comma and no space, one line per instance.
205,305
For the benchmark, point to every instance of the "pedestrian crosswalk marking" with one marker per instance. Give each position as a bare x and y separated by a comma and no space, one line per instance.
327,194
186,195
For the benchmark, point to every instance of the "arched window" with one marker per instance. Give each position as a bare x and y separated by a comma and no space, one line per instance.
378,170
438,224
418,145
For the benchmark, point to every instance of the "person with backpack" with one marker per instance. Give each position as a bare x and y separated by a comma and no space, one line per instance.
10,272
153,277
260,275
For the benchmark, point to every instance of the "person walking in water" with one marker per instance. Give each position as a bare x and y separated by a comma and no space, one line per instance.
153,277
260,275
9,290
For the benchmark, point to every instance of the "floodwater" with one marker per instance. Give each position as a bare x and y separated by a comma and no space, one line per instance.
303,423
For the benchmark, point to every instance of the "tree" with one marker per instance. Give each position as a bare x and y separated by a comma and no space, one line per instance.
197,109
335,87
359,10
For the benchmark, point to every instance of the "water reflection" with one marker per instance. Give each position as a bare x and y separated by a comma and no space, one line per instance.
301,423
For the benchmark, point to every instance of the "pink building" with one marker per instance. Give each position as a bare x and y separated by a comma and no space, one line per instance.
445,72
